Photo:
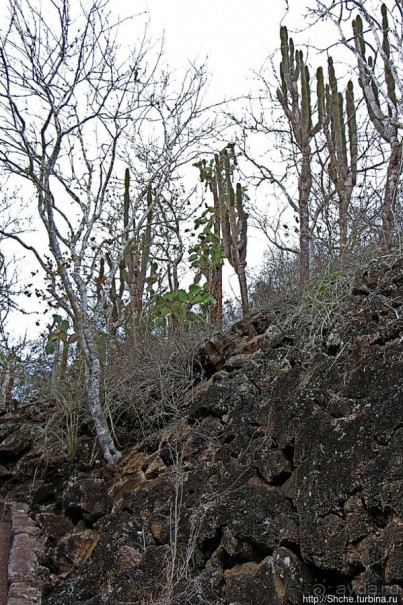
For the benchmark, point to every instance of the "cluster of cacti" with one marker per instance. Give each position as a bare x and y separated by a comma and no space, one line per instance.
225,229
295,99
385,119
208,252
340,128
207,256
233,218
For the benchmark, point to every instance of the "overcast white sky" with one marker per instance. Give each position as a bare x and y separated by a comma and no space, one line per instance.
236,35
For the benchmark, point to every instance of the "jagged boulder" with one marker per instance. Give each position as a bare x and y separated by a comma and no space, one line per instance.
86,498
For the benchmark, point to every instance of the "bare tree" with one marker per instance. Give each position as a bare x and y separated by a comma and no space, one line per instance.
68,107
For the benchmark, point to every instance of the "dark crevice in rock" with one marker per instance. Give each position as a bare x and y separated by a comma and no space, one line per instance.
210,545
289,451
293,547
76,516
277,480
153,474
205,412
247,552
253,382
332,350
166,456
331,580
381,518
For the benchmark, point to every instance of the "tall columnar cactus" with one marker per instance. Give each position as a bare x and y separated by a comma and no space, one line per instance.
295,99
383,116
340,128
233,218
208,254
229,228
136,258
8,365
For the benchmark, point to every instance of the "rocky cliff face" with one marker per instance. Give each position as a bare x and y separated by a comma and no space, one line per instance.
283,477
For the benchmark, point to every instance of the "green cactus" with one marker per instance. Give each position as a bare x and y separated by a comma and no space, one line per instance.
9,361
207,255
135,261
294,96
389,79
233,218
226,225
343,154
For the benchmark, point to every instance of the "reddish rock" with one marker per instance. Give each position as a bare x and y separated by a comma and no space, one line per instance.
78,545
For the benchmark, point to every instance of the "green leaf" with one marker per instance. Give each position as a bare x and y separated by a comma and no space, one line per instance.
171,296
57,318
53,336
50,348
194,289
182,296
200,298
161,310
190,316
178,309
64,325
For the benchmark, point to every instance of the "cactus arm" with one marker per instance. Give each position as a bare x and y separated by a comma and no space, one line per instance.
352,131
